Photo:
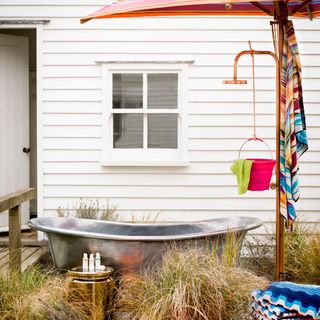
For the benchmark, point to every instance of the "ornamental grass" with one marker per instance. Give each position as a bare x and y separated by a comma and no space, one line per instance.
302,255
189,285
35,295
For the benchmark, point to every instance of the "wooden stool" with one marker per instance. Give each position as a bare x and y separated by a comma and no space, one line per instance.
97,288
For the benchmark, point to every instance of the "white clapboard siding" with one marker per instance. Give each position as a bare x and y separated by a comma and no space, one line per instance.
161,192
219,116
72,131
224,132
78,107
202,59
239,108
194,144
209,83
88,167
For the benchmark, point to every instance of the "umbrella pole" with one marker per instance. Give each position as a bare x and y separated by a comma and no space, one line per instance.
279,217
281,16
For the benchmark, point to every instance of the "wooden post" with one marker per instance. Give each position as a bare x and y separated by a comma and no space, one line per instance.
12,202
15,239
280,17
279,218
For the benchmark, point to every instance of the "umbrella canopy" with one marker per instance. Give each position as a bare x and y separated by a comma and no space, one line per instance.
143,8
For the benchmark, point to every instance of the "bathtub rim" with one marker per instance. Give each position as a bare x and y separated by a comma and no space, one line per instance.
255,223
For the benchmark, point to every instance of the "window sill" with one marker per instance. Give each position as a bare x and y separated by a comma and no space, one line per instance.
149,163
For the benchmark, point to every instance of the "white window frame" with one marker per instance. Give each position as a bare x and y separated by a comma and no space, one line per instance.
144,157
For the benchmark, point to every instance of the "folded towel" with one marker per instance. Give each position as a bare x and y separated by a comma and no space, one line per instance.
242,169
286,300
262,312
269,311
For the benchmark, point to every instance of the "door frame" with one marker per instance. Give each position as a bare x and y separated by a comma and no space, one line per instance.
39,63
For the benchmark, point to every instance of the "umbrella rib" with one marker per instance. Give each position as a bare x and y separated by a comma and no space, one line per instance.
309,12
299,7
261,7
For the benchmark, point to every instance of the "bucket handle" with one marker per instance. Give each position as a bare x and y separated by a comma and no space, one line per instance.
255,139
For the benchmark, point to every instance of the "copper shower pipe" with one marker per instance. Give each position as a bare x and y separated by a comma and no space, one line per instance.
279,219
250,52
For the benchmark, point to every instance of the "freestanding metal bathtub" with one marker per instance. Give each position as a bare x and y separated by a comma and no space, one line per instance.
130,246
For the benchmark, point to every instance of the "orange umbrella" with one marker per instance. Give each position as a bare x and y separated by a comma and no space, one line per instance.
279,10
143,8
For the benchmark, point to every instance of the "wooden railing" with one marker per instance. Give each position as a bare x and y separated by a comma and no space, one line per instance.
12,202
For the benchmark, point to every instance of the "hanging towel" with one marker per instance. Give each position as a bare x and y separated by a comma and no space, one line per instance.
293,137
242,169
287,300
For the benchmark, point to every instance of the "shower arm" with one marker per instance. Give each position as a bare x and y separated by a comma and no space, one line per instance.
279,218
251,52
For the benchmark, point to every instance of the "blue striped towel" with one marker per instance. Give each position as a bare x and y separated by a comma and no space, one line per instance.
286,300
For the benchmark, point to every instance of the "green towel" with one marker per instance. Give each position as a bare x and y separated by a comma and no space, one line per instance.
242,169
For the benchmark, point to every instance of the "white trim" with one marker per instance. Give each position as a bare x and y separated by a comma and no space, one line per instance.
164,163
145,62
144,107
183,111
145,111
144,157
40,171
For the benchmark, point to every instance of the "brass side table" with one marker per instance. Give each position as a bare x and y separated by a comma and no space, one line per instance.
97,288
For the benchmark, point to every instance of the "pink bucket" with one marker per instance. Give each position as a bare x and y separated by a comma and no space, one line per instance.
261,173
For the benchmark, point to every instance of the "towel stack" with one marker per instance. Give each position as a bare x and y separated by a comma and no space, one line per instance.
286,300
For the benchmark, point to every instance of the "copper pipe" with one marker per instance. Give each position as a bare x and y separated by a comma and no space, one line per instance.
249,52
279,218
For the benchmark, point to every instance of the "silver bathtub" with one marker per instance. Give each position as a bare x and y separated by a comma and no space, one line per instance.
127,246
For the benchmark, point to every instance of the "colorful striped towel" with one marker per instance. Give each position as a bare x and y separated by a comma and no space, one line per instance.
269,311
293,137
286,300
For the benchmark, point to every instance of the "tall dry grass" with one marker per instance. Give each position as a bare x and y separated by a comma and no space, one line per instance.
259,256
35,295
302,255
189,285
90,209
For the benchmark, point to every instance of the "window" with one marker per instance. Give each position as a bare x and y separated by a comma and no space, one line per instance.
145,112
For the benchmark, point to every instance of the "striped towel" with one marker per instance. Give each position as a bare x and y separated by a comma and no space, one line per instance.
270,312
293,137
286,300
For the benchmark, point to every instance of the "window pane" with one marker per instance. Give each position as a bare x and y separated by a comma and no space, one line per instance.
127,91
163,131
162,91
127,131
